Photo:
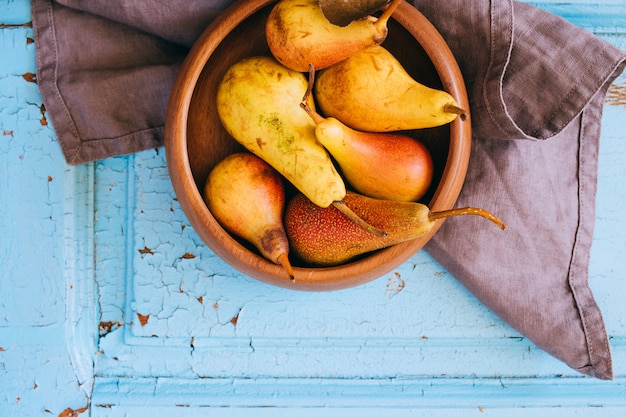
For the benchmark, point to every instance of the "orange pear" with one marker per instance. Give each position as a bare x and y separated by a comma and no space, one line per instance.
323,237
247,197
389,166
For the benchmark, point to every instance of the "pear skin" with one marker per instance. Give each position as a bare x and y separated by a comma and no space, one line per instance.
247,197
323,237
258,102
388,166
298,34
371,91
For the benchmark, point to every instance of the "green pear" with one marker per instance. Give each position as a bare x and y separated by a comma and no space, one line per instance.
389,166
247,197
371,91
299,34
323,237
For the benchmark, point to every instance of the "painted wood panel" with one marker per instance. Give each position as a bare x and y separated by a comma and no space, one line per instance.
108,298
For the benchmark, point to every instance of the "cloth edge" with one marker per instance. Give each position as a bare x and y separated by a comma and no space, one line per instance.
76,150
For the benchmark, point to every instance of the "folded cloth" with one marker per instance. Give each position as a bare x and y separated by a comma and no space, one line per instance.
531,76
536,85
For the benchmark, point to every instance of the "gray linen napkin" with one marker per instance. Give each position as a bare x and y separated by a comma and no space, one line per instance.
536,86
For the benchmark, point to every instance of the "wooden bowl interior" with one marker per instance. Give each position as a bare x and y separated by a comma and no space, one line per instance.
205,142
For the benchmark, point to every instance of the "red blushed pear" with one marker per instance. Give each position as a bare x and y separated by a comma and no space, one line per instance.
389,166
247,197
323,237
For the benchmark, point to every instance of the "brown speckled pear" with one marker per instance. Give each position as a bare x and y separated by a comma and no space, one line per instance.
247,197
298,34
323,237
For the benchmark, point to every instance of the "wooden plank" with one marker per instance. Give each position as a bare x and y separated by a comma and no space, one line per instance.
85,249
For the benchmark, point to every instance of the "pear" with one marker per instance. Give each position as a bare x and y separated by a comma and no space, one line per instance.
380,165
322,237
258,103
247,197
298,34
371,91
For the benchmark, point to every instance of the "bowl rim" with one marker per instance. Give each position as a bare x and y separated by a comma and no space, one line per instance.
309,278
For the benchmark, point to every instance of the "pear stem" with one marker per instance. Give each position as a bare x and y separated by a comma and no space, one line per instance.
384,17
309,88
465,211
450,108
317,118
283,259
351,215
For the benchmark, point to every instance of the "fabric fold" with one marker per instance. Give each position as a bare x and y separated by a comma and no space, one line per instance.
536,113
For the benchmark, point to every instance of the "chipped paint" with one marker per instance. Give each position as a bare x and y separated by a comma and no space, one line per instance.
31,77
616,96
395,284
43,120
69,412
146,251
143,319
16,25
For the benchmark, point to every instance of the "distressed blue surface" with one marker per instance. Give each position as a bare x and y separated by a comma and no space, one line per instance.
84,250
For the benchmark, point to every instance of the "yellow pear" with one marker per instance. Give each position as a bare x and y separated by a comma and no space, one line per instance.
371,91
322,237
298,34
258,102
247,197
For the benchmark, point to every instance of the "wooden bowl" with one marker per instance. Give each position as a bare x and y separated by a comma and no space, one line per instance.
195,139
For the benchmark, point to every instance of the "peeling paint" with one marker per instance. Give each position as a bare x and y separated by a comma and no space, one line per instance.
395,284
31,77
69,412
16,25
143,320
235,319
43,120
105,327
146,251
616,96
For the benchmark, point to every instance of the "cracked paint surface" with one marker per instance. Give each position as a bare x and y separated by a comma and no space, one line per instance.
35,365
167,310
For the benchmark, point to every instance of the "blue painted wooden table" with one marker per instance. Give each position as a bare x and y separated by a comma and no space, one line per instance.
110,304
